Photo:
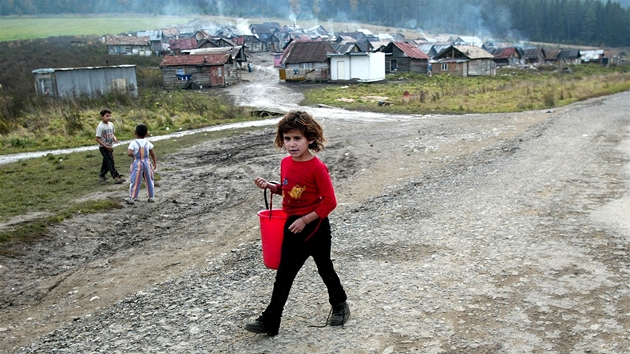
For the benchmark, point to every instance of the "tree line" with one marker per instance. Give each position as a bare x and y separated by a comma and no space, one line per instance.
587,22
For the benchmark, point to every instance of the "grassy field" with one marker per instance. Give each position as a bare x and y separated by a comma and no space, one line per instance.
19,28
512,90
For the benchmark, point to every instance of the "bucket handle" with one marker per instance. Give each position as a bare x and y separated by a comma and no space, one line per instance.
269,205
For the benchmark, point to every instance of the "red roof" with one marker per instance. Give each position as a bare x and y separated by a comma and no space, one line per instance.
504,53
183,43
196,59
411,50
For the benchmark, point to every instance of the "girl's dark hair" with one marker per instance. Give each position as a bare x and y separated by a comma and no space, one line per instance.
304,122
141,130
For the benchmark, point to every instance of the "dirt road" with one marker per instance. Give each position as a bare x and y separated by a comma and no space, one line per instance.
498,233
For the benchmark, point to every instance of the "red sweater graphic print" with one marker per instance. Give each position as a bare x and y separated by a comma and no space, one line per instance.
306,187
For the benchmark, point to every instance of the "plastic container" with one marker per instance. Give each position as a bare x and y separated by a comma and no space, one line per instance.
272,233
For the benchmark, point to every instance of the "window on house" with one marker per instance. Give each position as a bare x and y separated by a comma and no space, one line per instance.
393,65
444,67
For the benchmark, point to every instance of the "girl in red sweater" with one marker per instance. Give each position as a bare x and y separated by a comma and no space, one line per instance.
307,198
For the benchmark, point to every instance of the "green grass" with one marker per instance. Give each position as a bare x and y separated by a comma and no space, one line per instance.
509,91
73,125
49,185
14,28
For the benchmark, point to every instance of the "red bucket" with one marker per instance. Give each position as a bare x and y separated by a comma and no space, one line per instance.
272,232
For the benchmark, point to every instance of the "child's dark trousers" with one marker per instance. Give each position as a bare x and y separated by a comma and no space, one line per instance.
108,162
295,251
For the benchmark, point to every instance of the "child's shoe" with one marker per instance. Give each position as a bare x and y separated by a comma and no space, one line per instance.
259,327
151,200
129,200
118,179
102,179
340,314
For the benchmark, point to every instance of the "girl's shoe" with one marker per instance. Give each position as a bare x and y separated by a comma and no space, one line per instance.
151,200
129,200
340,314
259,327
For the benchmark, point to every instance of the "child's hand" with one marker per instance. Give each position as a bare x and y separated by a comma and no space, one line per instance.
261,183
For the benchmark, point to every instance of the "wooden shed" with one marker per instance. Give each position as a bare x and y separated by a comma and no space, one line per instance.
405,57
90,81
197,70
464,61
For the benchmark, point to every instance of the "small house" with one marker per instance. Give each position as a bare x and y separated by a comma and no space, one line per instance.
534,56
128,45
89,81
236,52
156,38
464,61
306,61
357,66
508,56
198,70
570,56
253,44
405,57
551,55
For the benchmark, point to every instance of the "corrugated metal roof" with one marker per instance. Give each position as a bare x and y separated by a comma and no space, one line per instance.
127,40
473,52
533,53
183,43
552,54
52,70
504,53
411,50
307,52
196,59
569,54
588,55
154,35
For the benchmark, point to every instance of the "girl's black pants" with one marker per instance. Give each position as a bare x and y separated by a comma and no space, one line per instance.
313,241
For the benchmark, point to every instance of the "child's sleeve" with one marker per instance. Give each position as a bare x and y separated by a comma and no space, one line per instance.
326,191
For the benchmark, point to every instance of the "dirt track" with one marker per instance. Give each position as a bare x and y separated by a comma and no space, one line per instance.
503,233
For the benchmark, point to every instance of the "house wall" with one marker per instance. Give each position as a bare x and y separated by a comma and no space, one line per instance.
377,66
200,75
364,68
455,69
87,81
479,67
335,63
305,72
144,50
418,66
402,64
406,64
